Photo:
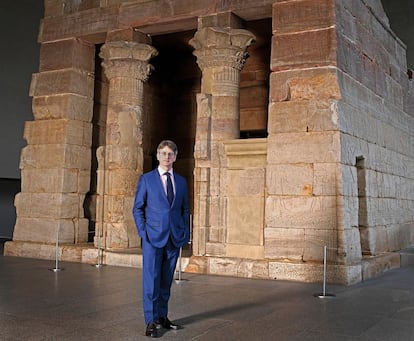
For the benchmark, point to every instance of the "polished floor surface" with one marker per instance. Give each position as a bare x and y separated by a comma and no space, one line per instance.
83,302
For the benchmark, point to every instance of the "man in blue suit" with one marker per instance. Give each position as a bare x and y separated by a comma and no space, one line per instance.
161,213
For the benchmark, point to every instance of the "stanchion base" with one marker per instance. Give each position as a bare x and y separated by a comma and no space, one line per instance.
56,269
326,295
178,281
98,266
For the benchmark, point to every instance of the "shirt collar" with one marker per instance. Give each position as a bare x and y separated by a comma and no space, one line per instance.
162,171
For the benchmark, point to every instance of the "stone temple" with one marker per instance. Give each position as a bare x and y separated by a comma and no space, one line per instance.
294,121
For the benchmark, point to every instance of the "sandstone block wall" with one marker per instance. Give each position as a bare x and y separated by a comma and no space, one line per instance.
303,142
377,128
55,164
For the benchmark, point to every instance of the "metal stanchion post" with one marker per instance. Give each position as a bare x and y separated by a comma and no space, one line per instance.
56,268
99,264
179,279
324,294
191,229
179,265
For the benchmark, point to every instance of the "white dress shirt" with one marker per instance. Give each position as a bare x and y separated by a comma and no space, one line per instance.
163,178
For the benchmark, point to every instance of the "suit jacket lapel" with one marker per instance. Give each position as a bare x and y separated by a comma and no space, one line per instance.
158,183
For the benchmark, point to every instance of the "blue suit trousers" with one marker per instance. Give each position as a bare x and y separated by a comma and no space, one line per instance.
158,267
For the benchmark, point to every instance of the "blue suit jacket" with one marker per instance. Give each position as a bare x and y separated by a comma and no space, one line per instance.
155,220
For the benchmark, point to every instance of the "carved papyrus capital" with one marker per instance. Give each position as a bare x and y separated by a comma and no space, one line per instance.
127,59
216,46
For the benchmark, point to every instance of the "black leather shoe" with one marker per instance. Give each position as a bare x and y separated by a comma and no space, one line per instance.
151,330
167,324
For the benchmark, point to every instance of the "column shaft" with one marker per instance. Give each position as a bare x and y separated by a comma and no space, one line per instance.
221,54
120,161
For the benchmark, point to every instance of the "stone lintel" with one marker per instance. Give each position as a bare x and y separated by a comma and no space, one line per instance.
128,34
93,23
223,19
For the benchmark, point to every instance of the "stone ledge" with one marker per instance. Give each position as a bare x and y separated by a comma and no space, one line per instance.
407,257
374,266
80,253
369,267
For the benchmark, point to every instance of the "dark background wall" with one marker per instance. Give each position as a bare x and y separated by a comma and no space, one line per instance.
19,59
400,14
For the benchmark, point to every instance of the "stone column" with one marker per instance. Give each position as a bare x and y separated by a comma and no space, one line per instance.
55,164
120,161
221,54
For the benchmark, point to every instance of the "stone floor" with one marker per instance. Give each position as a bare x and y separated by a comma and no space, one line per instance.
83,302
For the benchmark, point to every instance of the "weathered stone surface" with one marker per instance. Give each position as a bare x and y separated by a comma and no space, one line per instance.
49,205
129,34
81,253
62,81
92,24
249,252
47,230
55,180
65,54
296,16
121,182
309,84
302,116
214,247
325,179
300,148
253,119
245,220
248,182
301,212
284,243
132,259
246,153
58,132
349,274
68,106
117,236
290,179
55,156
313,49
122,156
198,264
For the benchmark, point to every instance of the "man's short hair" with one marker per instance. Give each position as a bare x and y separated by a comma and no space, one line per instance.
168,143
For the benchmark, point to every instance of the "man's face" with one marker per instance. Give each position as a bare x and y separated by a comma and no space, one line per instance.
166,157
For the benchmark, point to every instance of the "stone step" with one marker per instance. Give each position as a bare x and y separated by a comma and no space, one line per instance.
407,257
